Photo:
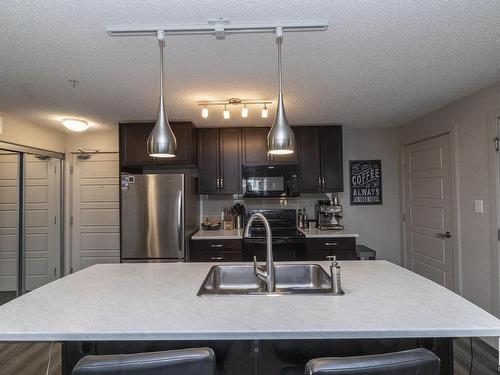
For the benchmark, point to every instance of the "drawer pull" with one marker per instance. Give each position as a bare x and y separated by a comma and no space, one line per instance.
217,258
331,243
216,245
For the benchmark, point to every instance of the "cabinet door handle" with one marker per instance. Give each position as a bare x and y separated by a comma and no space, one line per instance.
444,235
331,243
319,181
217,258
222,182
216,245
217,182
323,182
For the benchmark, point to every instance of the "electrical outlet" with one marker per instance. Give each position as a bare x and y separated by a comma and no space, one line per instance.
479,206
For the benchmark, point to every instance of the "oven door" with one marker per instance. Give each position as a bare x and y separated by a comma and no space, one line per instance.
284,250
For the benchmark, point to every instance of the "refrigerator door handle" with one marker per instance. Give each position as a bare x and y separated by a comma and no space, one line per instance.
180,224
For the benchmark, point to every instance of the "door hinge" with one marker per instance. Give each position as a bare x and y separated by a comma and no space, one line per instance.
71,169
71,220
55,271
404,218
497,141
498,234
55,169
55,219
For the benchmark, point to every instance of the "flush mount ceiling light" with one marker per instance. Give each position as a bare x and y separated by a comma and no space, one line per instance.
234,101
280,139
75,125
161,141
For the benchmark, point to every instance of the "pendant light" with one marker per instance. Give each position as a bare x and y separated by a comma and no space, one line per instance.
161,141
280,139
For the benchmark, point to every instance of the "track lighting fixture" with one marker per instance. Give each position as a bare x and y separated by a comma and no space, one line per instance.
204,112
244,112
264,112
227,116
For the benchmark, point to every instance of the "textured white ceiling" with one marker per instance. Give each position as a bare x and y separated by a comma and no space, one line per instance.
380,63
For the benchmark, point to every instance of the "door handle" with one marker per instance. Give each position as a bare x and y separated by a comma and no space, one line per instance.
444,235
216,245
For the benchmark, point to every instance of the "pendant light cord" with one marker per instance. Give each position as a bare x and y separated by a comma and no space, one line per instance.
279,40
161,42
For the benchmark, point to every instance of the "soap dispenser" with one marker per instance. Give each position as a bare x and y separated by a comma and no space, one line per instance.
335,276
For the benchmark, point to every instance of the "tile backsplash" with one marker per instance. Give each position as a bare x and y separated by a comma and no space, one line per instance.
212,206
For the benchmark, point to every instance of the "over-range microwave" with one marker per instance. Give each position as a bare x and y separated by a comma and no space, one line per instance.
271,181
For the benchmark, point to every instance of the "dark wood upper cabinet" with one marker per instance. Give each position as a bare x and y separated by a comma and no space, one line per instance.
133,149
308,146
255,146
133,145
332,158
208,161
230,161
320,158
219,161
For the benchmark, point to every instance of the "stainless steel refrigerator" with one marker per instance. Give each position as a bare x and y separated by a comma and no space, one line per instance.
158,214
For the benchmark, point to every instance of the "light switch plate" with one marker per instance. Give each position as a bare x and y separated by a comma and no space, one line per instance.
479,206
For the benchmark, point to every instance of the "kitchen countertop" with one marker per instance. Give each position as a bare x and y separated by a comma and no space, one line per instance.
158,301
318,233
219,234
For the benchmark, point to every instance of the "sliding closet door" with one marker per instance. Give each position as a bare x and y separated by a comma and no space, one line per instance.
42,220
9,224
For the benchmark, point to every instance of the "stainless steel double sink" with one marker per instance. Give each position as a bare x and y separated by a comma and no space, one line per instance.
240,279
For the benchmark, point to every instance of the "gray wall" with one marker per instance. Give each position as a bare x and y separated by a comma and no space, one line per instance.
378,226
468,120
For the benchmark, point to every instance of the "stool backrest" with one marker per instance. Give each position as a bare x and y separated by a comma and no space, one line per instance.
409,362
173,362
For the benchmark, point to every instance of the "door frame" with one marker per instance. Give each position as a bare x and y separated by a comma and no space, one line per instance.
494,207
455,211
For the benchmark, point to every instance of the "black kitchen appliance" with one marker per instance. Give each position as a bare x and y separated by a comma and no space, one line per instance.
271,181
288,241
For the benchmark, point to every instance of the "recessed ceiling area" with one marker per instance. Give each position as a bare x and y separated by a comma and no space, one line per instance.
380,63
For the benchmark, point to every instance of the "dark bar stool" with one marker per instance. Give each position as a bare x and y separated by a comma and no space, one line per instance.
173,362
409,362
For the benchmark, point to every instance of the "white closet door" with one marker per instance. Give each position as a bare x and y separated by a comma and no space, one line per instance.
42,226
96,218
9,186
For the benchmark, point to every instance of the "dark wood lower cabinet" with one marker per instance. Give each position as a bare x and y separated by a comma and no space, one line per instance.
343,248
215,251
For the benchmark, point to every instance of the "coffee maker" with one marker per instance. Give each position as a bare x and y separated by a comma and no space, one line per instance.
329,214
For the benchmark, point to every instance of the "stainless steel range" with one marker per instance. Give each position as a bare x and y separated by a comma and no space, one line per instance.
288,242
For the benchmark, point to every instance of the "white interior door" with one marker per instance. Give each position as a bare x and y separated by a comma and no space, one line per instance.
428,210
95,211
9,220
42,220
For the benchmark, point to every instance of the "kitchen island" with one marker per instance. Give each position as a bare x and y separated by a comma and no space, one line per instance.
151,302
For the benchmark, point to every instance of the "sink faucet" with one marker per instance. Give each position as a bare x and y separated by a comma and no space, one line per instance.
268,275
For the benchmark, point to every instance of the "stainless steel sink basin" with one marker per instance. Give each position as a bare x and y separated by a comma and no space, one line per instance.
290,279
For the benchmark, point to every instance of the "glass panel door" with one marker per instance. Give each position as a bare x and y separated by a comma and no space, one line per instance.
9,224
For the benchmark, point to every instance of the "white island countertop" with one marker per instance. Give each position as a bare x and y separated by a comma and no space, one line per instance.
318,233
158,301
219,234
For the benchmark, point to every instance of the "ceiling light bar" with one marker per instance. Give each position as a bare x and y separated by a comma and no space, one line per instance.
218,27
242,102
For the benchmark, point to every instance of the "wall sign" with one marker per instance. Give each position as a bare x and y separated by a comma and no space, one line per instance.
366,182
